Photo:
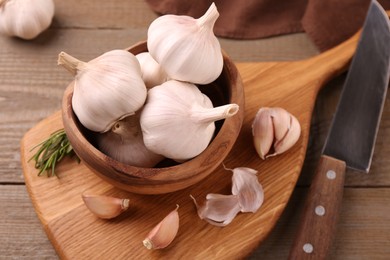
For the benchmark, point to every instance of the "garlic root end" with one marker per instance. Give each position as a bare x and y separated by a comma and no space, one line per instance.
125,204
148,244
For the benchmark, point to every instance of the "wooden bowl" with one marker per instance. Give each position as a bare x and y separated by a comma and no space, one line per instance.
167,176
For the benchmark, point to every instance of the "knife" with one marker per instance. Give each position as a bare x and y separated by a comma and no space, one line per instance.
351,138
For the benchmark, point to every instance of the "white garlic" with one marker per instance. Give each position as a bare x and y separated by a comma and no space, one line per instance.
25,19
105,207
177,120
164,232
106,89
274,128
187,48
124,143
152,73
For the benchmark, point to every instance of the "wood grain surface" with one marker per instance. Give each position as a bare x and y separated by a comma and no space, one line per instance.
31,88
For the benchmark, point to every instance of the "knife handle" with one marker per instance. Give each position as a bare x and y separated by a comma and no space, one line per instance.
318,223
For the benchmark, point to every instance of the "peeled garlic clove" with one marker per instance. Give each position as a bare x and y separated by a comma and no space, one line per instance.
262,131
105,207
164,232
218,210
291,137
152,73
283,132
106,89
25,19
177,120
187,48
124,143
248,189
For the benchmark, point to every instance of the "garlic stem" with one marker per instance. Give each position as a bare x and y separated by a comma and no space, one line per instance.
208,115
70,63
209,17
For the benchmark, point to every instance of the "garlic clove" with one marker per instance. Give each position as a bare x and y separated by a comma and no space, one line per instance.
25,19
164,232
291,137
177,120
248,189
152,73
105,207
106,89
281,122
124,143
187,48
218,210
262,131
276,125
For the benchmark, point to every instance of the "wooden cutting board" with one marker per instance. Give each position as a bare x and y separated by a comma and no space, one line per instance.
77,234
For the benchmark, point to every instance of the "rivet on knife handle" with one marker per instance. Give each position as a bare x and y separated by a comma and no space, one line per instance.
321,211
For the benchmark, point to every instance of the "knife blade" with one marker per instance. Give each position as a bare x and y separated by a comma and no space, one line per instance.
351,138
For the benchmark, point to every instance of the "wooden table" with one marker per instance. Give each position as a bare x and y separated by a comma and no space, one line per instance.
31,88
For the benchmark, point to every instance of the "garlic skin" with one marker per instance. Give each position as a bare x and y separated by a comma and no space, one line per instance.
152,73
105,207
177,120
247,196
106,89
218,210
164,232
25,19
187,48
274,129
124,143
248,189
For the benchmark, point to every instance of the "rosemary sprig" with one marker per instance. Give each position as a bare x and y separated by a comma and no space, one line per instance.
51,151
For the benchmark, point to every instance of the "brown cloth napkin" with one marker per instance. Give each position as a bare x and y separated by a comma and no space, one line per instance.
327,22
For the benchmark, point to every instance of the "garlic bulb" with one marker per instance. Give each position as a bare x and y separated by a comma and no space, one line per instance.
164,232
177,120
187,48
106,89
25,19
274,127
124,143
152,72
105,207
